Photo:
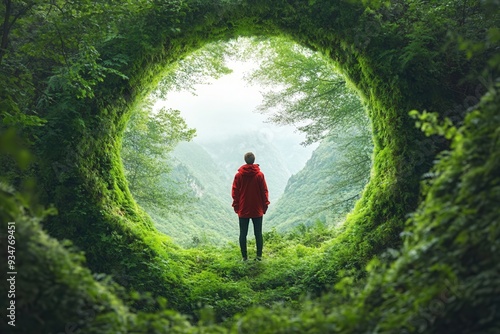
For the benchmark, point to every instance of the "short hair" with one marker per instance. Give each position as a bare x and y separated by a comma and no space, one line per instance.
249,158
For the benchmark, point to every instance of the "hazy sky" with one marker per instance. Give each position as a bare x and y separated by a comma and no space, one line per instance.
226,107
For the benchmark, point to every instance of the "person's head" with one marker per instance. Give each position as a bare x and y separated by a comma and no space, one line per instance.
249,158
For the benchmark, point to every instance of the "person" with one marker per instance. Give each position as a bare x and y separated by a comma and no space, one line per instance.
250,201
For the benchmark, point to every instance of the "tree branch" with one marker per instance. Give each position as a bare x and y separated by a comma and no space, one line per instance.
7,26
5,29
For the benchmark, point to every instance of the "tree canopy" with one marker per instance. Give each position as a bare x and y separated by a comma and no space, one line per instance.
304,87
147,142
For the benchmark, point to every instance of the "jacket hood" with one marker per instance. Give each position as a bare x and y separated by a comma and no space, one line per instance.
248,169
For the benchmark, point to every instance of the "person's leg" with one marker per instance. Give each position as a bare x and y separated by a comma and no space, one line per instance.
243,236
259,240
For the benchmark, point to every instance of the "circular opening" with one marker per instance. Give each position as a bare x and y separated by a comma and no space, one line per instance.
283,102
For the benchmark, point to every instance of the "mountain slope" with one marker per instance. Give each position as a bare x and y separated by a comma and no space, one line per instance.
208,216
319,186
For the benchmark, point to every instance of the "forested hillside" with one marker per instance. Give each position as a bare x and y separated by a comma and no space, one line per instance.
82,157
208,217
326,189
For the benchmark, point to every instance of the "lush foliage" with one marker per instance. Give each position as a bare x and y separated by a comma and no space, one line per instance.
197,68
147,142
385,270
304,89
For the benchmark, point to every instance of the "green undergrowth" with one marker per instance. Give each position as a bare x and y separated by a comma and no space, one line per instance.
218,284
226,285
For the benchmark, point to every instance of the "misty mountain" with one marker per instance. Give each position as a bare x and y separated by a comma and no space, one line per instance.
228,154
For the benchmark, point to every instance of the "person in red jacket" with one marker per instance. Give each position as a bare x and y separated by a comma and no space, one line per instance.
250,200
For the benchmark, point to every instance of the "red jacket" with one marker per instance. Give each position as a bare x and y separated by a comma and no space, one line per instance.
250,195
